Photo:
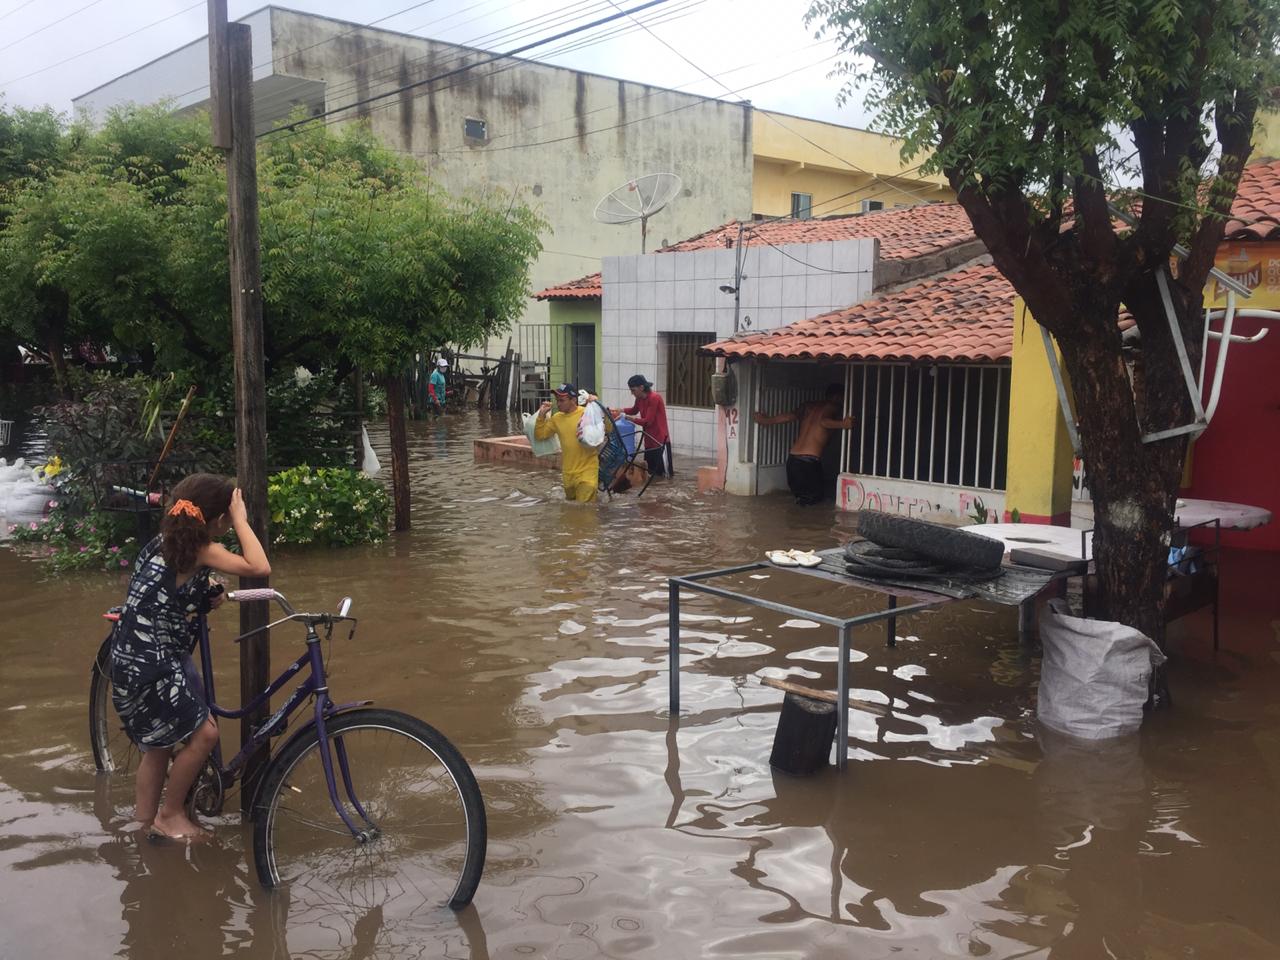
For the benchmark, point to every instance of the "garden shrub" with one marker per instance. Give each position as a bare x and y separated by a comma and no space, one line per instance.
95,540
332,506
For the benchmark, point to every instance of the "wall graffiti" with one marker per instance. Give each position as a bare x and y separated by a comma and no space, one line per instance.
917,500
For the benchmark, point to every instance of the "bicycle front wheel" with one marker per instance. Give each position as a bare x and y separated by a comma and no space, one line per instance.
422,812
113,751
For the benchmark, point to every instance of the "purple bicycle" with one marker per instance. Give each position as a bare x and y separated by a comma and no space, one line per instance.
355,795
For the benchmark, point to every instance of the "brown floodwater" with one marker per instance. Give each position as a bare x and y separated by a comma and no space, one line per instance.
533,633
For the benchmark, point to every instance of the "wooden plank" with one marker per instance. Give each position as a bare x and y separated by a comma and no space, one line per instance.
826,696
219,105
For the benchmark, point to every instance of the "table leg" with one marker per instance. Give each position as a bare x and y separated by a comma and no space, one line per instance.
1027,620
891,625
673,640
842,700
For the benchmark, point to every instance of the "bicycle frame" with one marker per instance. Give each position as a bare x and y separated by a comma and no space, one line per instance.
315,684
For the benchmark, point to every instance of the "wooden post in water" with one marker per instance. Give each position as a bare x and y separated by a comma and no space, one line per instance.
231,103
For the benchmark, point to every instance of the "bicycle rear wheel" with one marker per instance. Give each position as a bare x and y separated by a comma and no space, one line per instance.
425,814
113,751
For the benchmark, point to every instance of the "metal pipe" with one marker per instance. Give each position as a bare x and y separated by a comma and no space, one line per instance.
1216,390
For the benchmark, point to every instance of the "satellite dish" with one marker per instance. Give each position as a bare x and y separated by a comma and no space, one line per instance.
638,199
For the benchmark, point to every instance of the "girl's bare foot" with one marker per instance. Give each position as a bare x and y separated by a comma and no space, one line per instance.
177,827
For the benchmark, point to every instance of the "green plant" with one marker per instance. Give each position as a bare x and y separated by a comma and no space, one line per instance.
331,506
979,513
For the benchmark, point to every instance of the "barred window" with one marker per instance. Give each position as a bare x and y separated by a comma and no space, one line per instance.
940,424
688,380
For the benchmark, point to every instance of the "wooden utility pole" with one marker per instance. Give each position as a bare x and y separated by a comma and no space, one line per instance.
231,119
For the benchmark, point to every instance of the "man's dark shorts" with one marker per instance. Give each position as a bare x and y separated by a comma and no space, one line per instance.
658,461
804,477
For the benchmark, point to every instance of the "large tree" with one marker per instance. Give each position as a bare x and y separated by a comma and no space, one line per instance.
1037,111
119,237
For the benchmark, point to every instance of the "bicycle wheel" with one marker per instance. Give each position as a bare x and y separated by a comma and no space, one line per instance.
424,808
113,751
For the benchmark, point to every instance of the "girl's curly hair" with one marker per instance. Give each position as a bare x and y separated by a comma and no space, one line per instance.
181,534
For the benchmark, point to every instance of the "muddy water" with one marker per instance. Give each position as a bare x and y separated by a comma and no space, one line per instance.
533,633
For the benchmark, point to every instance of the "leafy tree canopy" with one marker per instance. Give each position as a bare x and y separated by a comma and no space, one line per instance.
1036,111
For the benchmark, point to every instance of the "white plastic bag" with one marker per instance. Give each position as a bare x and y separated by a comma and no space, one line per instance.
591,427
369,463
541,448
1094,674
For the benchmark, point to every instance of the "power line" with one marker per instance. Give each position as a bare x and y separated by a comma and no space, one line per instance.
101,46
11,43
519,30
465,67
16,9
773,118
652,116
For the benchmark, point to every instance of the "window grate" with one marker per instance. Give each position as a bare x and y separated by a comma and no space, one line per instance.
942,424
688,374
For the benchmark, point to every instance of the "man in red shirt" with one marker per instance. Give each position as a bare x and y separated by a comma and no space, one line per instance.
650,414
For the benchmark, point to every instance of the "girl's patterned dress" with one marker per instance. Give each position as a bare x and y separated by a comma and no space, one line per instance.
154,685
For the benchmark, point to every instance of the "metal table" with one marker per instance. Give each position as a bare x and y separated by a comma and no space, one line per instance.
697,583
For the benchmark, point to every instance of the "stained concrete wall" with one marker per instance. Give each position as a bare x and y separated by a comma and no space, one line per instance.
559,138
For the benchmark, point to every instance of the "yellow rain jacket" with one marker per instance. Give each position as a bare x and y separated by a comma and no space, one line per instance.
580,467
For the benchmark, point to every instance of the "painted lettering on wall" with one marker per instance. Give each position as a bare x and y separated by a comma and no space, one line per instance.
731,422
910,499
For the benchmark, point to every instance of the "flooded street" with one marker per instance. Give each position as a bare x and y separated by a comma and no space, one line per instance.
533,633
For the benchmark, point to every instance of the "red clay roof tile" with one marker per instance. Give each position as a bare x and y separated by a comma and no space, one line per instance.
903,234
966,315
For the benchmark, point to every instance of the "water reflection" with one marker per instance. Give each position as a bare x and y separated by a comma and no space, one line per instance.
533,633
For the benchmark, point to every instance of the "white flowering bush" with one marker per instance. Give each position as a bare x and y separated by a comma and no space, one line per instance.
331,506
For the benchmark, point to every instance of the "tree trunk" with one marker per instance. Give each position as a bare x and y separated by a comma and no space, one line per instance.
54,345
1133,485
394,384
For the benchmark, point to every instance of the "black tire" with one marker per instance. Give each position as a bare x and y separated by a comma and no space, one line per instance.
113,752
933,540
299,841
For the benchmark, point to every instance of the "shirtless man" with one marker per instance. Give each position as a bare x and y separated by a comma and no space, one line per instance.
804,463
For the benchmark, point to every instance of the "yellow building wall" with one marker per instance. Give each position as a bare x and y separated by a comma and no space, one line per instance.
838,166
1038,481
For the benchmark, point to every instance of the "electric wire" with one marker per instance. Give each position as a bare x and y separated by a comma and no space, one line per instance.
468,78
102,46
449,73
11,43
21,6
769,116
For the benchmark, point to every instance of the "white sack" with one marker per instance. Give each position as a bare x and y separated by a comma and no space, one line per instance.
1094,674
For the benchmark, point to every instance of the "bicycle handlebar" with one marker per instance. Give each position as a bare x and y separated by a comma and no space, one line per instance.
258,593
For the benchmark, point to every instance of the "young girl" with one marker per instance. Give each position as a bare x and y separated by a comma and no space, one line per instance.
155,688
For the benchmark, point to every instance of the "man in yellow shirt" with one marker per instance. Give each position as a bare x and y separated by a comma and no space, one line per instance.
579,465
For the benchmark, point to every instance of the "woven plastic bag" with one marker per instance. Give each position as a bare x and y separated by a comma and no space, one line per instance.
1094,674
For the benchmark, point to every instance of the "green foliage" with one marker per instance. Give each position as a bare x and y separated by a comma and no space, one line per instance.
979,513
73,540
121,241
326,506
1025,95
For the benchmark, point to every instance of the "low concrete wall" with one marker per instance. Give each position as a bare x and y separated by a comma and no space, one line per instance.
512,450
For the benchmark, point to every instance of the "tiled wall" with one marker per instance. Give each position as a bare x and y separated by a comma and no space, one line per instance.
650,294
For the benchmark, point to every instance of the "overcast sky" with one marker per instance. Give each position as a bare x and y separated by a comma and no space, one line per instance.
49,49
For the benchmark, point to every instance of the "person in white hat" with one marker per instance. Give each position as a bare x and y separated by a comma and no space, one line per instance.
436,385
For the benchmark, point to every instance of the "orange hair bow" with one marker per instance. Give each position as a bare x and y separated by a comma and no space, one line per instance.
188,508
